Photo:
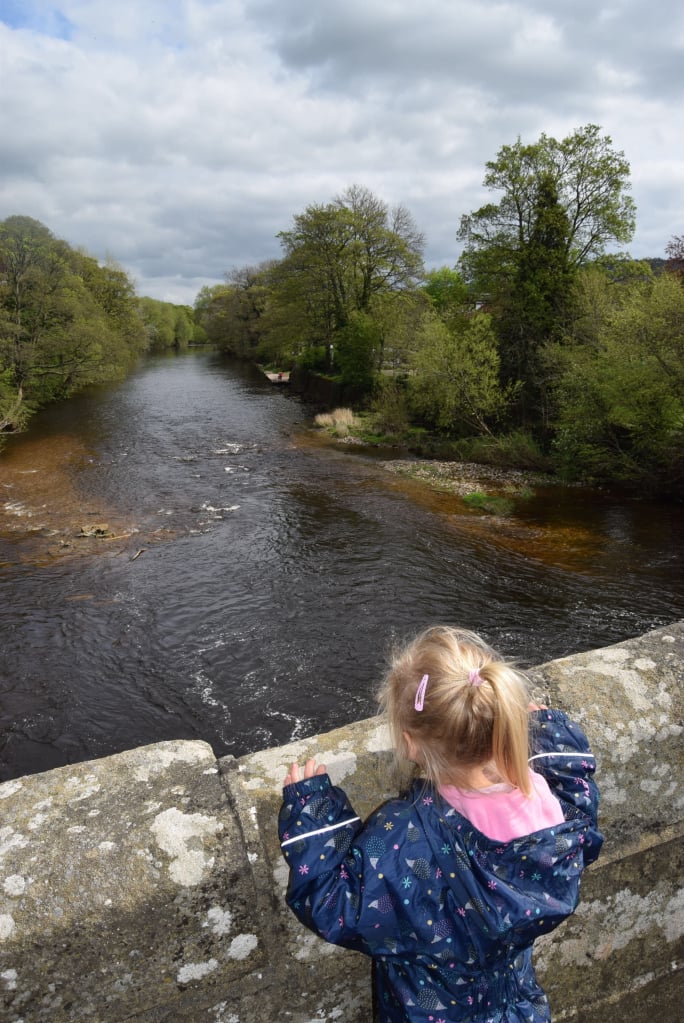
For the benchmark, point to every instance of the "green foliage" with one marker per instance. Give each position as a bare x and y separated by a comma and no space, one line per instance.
456,383
166,325
620,386
675,256
494,504
390,406
447,291
14,411
210,313
357,352
590,180
561,203
517,449
342,260
65,321
233,315
398,318
315,359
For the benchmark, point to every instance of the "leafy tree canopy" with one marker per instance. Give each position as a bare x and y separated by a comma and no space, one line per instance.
340,257
66,321
591,181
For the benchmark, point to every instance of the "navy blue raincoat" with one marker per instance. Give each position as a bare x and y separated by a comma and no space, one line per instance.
447,914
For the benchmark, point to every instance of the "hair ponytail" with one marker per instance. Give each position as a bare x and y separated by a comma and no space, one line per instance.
510,732
461,706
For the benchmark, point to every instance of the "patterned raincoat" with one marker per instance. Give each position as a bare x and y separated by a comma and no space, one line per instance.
447,914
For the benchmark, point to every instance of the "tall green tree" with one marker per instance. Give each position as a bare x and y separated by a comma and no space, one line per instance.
448,293
591,181
209,312
562,203
167,325
340,260
533,313
231,314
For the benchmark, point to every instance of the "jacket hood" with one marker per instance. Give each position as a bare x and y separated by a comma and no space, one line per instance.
504,891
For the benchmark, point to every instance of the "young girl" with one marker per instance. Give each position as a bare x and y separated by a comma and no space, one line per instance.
448,887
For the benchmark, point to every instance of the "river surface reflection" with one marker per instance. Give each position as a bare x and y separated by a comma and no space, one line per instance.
253,578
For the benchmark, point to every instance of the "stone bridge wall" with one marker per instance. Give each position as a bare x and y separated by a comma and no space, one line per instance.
148,886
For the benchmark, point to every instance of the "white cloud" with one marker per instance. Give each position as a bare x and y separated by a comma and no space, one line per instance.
179,136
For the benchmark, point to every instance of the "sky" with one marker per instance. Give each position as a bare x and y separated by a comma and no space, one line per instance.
178,137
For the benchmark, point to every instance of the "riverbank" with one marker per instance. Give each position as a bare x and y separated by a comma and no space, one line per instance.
509,462
511,454
466,478
484,486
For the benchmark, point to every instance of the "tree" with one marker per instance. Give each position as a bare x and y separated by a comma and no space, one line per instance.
398,317
357,349
538,302
620,385
24,258
590,180
563,203
184,326
456,383
447,292
245,304
65,321
166,324
341,259
385,247
675,256
209,312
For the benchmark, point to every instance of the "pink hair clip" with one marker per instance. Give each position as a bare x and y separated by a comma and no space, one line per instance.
420,693
474,677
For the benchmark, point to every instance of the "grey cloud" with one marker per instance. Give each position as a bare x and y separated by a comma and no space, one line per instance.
180,137
514,50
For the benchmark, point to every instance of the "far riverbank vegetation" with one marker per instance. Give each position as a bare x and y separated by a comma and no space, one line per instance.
66,321
538,349
545,347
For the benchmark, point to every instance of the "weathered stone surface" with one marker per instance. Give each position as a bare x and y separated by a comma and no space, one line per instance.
337,981
122,887
149,887
630,700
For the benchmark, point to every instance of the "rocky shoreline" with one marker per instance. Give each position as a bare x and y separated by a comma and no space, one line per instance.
463,478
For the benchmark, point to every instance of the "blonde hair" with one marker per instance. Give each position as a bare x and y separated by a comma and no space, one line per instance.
474,711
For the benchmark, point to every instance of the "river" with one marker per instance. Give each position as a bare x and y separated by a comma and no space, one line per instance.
253,577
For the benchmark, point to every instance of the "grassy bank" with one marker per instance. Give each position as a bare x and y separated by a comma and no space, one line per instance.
487,473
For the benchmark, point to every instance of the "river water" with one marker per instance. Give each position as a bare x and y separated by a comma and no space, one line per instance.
253,577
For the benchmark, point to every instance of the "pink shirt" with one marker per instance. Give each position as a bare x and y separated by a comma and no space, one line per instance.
502,812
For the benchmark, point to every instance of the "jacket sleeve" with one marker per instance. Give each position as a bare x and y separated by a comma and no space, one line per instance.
333,888
562,755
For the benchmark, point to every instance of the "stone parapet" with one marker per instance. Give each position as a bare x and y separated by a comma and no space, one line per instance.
149,886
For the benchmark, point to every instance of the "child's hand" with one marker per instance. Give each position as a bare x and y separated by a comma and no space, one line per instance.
310,770
537,706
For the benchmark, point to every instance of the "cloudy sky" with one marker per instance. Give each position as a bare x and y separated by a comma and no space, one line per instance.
179,136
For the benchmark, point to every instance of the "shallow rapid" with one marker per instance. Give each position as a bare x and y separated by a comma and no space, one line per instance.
253,578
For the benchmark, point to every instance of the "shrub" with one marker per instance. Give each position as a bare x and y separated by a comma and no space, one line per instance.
390,408
338,423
